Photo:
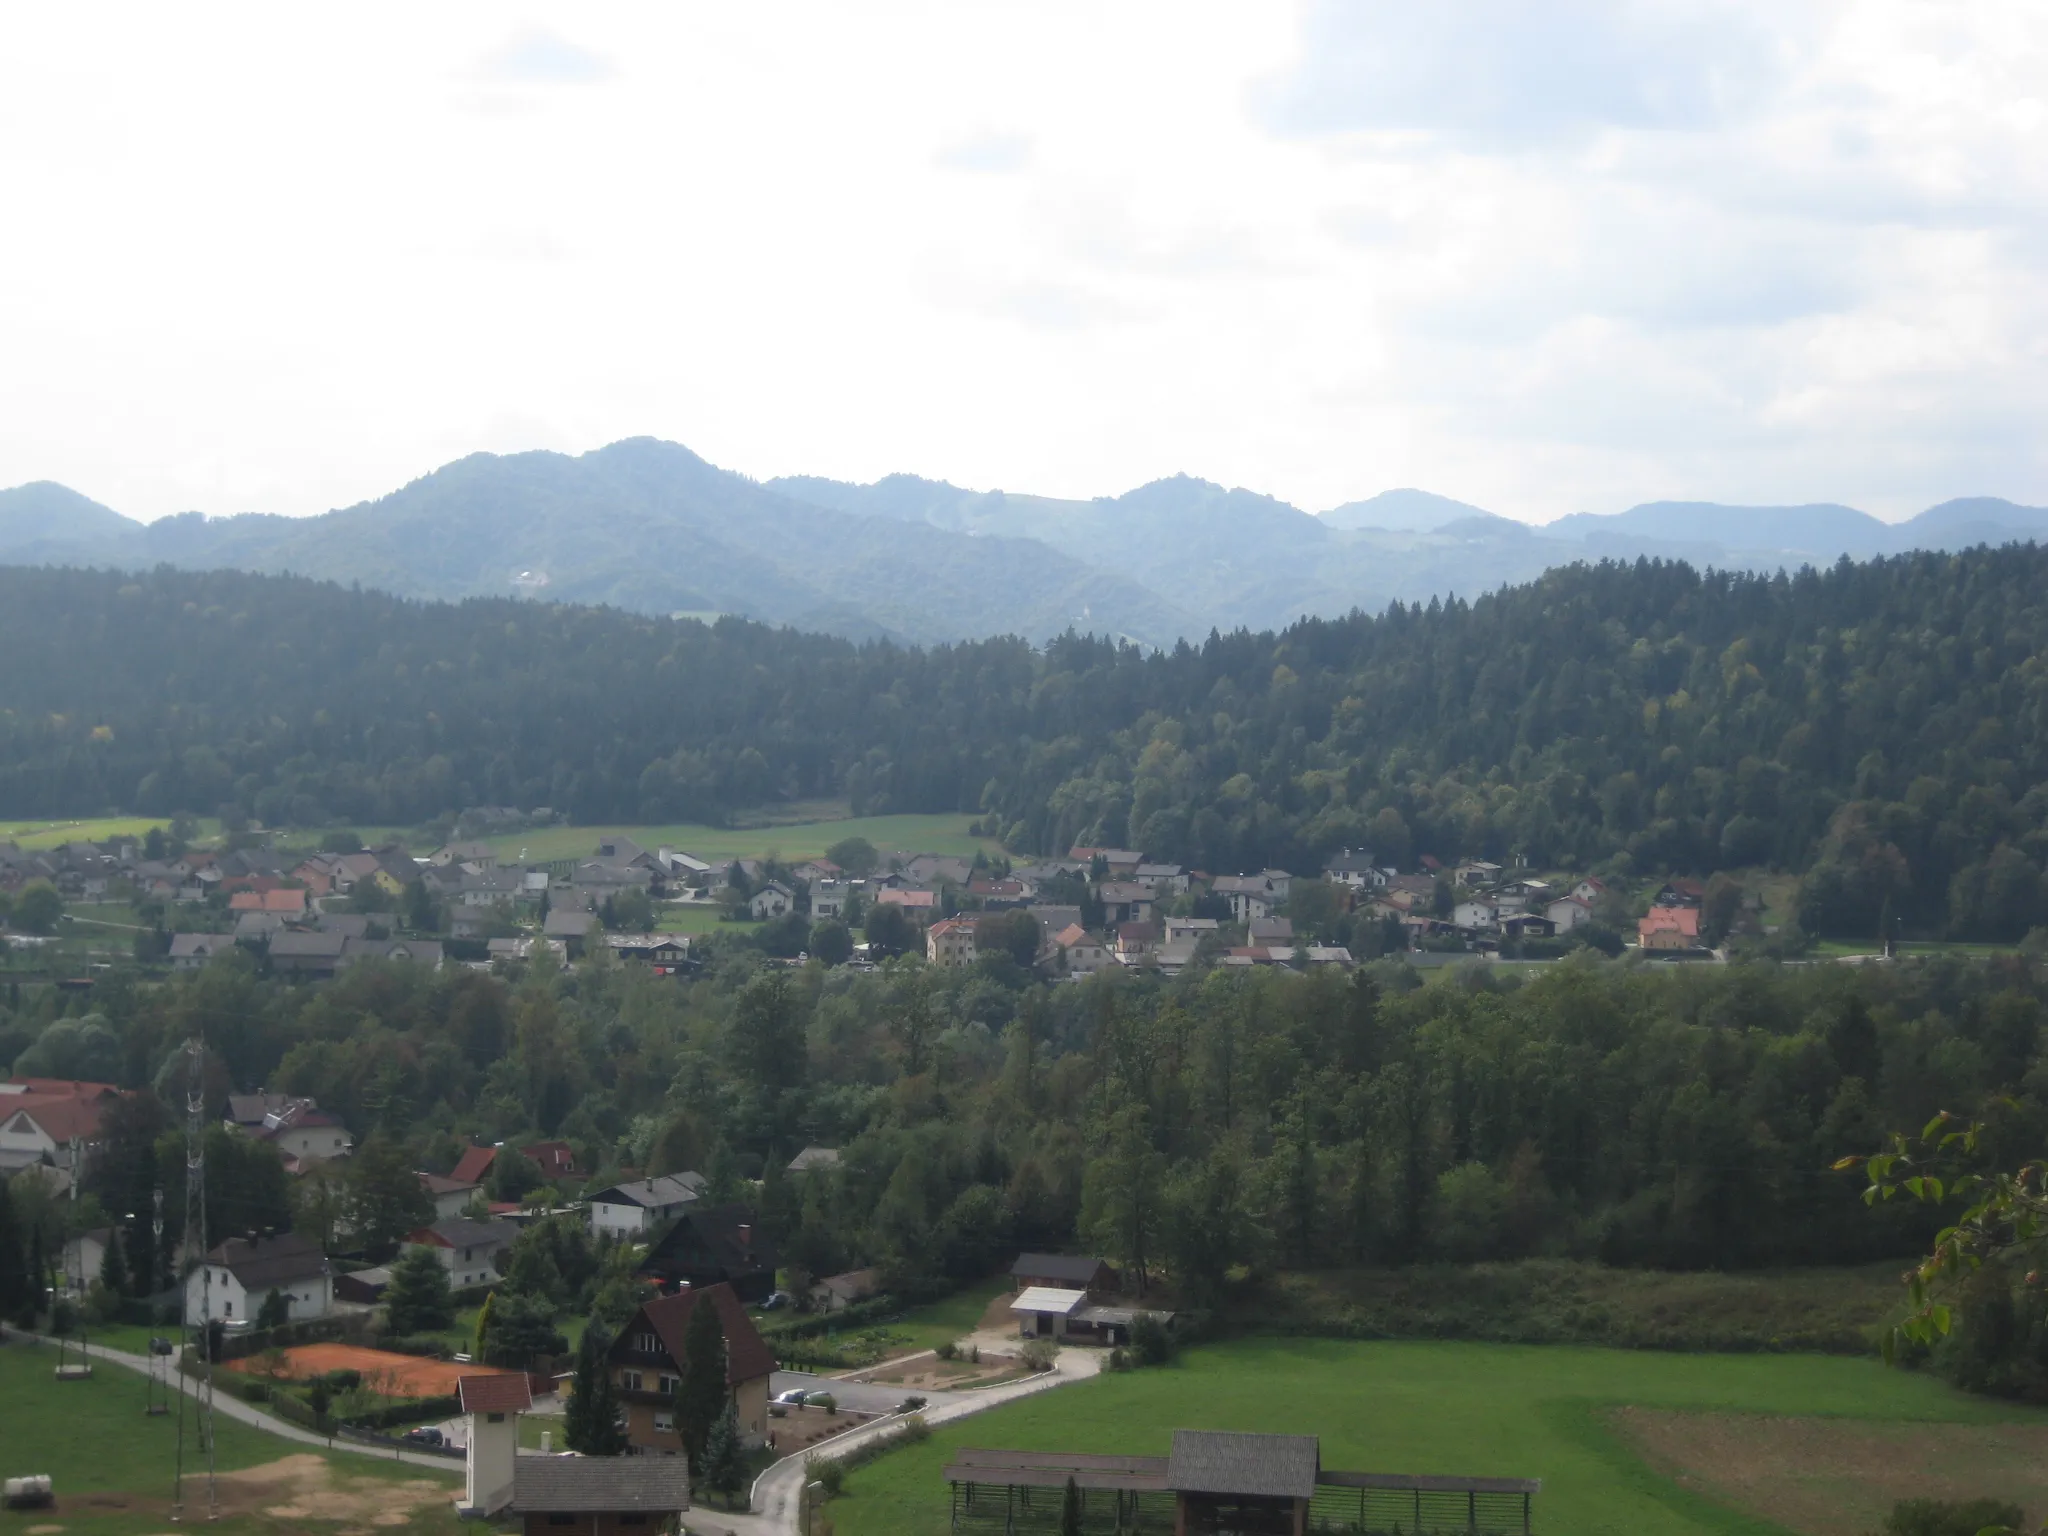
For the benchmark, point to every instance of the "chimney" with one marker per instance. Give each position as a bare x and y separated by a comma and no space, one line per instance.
746,1235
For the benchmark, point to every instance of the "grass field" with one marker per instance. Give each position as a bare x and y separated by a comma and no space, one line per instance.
48,834
695,917
113,1465
941,1322
795,842
1557,1413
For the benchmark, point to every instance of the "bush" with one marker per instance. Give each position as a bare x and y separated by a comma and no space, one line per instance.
1151,1343
827,1472
343,1379
1119,1360
1938,1517
826,1401
947,1350
1039,1354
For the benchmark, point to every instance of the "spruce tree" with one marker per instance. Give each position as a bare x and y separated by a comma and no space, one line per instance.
724,1468
703,1395
114,1264
418,1299
592,1425
14,1270
1070,1510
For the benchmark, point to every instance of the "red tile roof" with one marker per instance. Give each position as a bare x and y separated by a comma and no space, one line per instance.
1685,919
746,1353
63,1119
494,1394
474,1164
60,1087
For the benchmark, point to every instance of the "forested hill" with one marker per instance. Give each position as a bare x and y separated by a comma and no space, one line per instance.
1885,724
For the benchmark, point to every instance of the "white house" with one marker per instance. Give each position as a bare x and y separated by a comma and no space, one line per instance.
1355,869
773,900
828,898
451,1197
638,1206
1475,873
1474,914
231,1282
1568,912
1249,896
1590,890
492,1404
1195,928
303,1132
467,1249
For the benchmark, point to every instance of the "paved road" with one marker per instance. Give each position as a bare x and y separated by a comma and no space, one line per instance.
234,1408
777,1493
860,1396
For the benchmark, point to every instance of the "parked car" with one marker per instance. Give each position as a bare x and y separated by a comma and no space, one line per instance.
425,1437
794,1397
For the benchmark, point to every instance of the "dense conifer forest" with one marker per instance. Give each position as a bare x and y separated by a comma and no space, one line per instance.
1880,728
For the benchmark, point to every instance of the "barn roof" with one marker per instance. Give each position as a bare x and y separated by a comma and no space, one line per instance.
1225,1461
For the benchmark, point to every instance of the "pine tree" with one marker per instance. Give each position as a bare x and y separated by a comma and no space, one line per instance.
1070,1510
483,1322
724,1468
593,1414
418,1299
14,1271
703,1395
114,1264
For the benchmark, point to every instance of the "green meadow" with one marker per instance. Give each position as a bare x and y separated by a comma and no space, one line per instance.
1549,1412
793,842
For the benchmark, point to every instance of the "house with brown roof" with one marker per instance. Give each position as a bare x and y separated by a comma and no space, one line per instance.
950,942
647,1364
599,1495
1669,928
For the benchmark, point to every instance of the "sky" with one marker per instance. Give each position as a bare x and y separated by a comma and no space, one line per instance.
1542,258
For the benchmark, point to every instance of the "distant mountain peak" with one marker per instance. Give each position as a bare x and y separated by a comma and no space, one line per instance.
1405,510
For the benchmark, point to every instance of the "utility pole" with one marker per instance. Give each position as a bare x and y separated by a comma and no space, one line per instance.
200,1334
158,1401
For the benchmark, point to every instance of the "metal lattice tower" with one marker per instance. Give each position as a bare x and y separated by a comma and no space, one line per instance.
200,1334
157,1401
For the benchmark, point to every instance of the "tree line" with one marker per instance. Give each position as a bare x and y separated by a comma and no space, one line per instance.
1881,728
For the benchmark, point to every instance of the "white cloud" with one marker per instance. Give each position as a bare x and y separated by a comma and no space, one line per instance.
266,259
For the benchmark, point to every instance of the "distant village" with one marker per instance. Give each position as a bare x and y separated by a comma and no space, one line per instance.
314,914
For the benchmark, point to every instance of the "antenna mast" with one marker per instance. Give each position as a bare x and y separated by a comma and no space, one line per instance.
201,1333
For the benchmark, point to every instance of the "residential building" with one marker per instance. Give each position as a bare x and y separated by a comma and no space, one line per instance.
1569,912
1079,952
1669,928
1175,929
467,1248
773,900
556,1160
1069,1271
450,1197
83,1256
305,954
715,1245
1249,896
1167,879
53,1125
1270,931
1477,874
426,952
950,942
474,1166
638,1206
918,906
648,1360
938,869
1126,901
814,1160
1590,890
1475,914
1356,869
232,1282
1136,941
191,951
300,1129
829,897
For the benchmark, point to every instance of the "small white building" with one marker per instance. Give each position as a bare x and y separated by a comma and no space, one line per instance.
1043,1310
1475,914
637,1207
829,897
771,901
492,1405
1569,912
232,1282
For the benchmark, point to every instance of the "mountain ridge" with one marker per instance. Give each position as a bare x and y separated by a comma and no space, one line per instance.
651,526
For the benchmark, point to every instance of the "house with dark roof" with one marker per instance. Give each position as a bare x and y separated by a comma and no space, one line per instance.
232,1282
638,1206
714,1245
598,1495
191,951
815,1159
647,1362
1064,1271
468,1249
305,954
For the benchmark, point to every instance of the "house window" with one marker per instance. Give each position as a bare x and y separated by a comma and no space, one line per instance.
230,1312
630,1380
668,1383
645,1343
494,1418
664,1423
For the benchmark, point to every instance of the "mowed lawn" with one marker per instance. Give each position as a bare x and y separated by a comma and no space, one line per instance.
1446,1408
48,834
113,1465
793,843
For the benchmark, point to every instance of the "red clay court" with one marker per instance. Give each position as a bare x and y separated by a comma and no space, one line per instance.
393,1374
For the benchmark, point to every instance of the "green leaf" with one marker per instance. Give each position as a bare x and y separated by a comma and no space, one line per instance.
1938,1315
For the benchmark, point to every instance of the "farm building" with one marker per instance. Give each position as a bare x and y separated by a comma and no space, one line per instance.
1225,1482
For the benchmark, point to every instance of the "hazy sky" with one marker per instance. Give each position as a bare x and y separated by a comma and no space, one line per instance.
1545,257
